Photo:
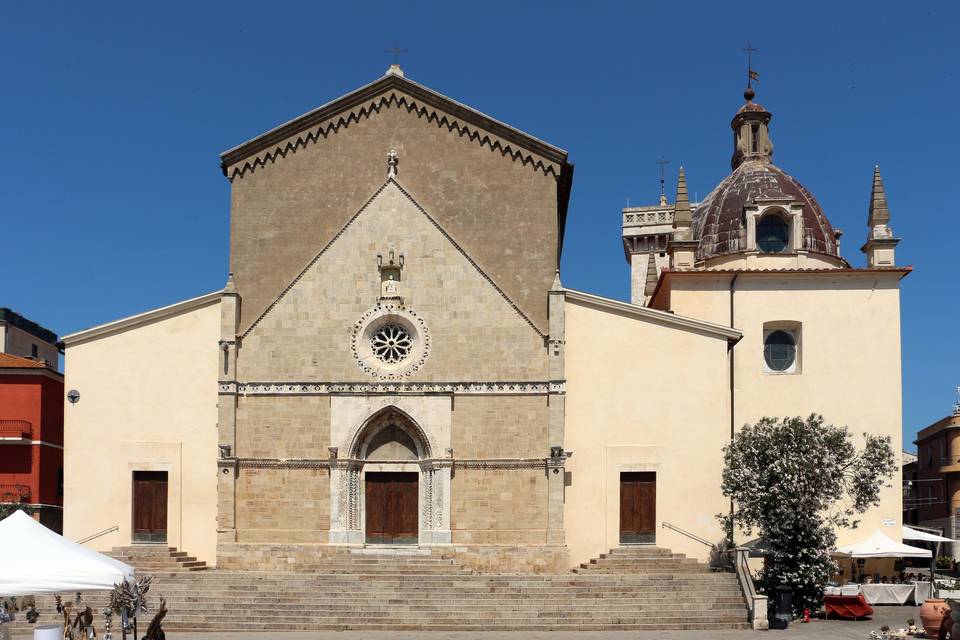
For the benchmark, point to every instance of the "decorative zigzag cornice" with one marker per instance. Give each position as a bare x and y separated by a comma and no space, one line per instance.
347,226
393,92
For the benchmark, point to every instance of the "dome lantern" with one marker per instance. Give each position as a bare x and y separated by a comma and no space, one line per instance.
751,133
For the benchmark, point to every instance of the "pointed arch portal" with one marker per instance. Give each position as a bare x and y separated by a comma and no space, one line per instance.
390,488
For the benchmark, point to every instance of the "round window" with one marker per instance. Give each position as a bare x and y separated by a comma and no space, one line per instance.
772,234
391,343
779,350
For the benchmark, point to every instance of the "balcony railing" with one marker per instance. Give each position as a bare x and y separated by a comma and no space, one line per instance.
14,493
15,429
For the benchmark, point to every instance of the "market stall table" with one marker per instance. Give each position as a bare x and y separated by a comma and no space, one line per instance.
881,593
889,593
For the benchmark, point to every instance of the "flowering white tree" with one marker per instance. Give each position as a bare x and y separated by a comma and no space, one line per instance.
796,481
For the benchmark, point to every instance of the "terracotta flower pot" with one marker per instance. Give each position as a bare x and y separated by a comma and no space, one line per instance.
932,614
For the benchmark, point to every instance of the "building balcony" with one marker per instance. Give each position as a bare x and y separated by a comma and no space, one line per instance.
16,429
15,493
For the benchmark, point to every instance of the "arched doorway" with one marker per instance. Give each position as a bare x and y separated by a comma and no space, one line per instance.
390,488
391,454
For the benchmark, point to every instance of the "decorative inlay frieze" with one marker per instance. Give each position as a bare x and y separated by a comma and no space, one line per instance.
350,468
506,463
392,388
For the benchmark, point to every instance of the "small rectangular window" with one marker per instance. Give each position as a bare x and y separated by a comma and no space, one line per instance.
754,138
34,352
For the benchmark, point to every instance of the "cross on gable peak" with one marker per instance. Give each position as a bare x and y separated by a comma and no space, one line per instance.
394,68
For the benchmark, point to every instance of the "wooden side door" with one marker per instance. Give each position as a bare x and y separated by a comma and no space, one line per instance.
150,506
638,507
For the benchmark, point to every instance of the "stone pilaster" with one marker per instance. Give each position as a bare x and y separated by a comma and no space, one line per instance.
556,345
227,414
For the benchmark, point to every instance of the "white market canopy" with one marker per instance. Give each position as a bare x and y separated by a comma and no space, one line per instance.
915,534
34,559
880,545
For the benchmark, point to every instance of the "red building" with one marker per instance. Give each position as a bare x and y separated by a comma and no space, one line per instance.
31,437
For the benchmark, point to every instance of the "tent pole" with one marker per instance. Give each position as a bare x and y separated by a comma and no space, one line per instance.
933,564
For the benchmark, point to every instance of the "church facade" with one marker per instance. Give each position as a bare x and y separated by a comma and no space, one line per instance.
394,359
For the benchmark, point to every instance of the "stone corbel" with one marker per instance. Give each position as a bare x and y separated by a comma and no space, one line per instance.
228,464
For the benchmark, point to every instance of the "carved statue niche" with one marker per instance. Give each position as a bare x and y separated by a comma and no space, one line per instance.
390,275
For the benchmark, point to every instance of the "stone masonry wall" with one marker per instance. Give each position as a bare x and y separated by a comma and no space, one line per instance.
503,212
283,427
500,427
475,333
498,506
544,559
283,505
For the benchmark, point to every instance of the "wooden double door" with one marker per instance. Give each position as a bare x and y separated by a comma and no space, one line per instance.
392,507
638,507
150,506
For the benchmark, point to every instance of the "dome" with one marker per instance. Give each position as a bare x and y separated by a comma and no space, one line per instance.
718,222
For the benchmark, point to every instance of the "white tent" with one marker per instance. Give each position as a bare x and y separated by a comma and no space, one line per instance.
880,545
34,559
914,534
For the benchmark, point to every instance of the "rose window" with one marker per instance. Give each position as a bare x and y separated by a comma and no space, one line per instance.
391,343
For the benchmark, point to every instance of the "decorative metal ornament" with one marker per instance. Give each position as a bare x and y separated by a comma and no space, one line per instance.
107,623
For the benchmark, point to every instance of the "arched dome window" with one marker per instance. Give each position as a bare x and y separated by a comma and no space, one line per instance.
773,234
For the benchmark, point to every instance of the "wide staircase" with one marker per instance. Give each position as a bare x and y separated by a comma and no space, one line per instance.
149,558
421,589
643,559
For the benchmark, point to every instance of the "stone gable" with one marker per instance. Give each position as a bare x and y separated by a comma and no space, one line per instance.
504,207
476,332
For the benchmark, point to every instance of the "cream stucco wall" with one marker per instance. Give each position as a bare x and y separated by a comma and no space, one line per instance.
643,395
148,402
849,355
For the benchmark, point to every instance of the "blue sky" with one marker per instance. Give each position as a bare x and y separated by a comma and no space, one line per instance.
113,115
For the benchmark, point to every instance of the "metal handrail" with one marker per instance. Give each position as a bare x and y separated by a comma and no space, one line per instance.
667,525
98,534
742,567
744,577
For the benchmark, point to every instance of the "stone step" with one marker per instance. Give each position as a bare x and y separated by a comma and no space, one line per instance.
160,558
472,592
675,616
392,583
24,629
453,602
201,621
